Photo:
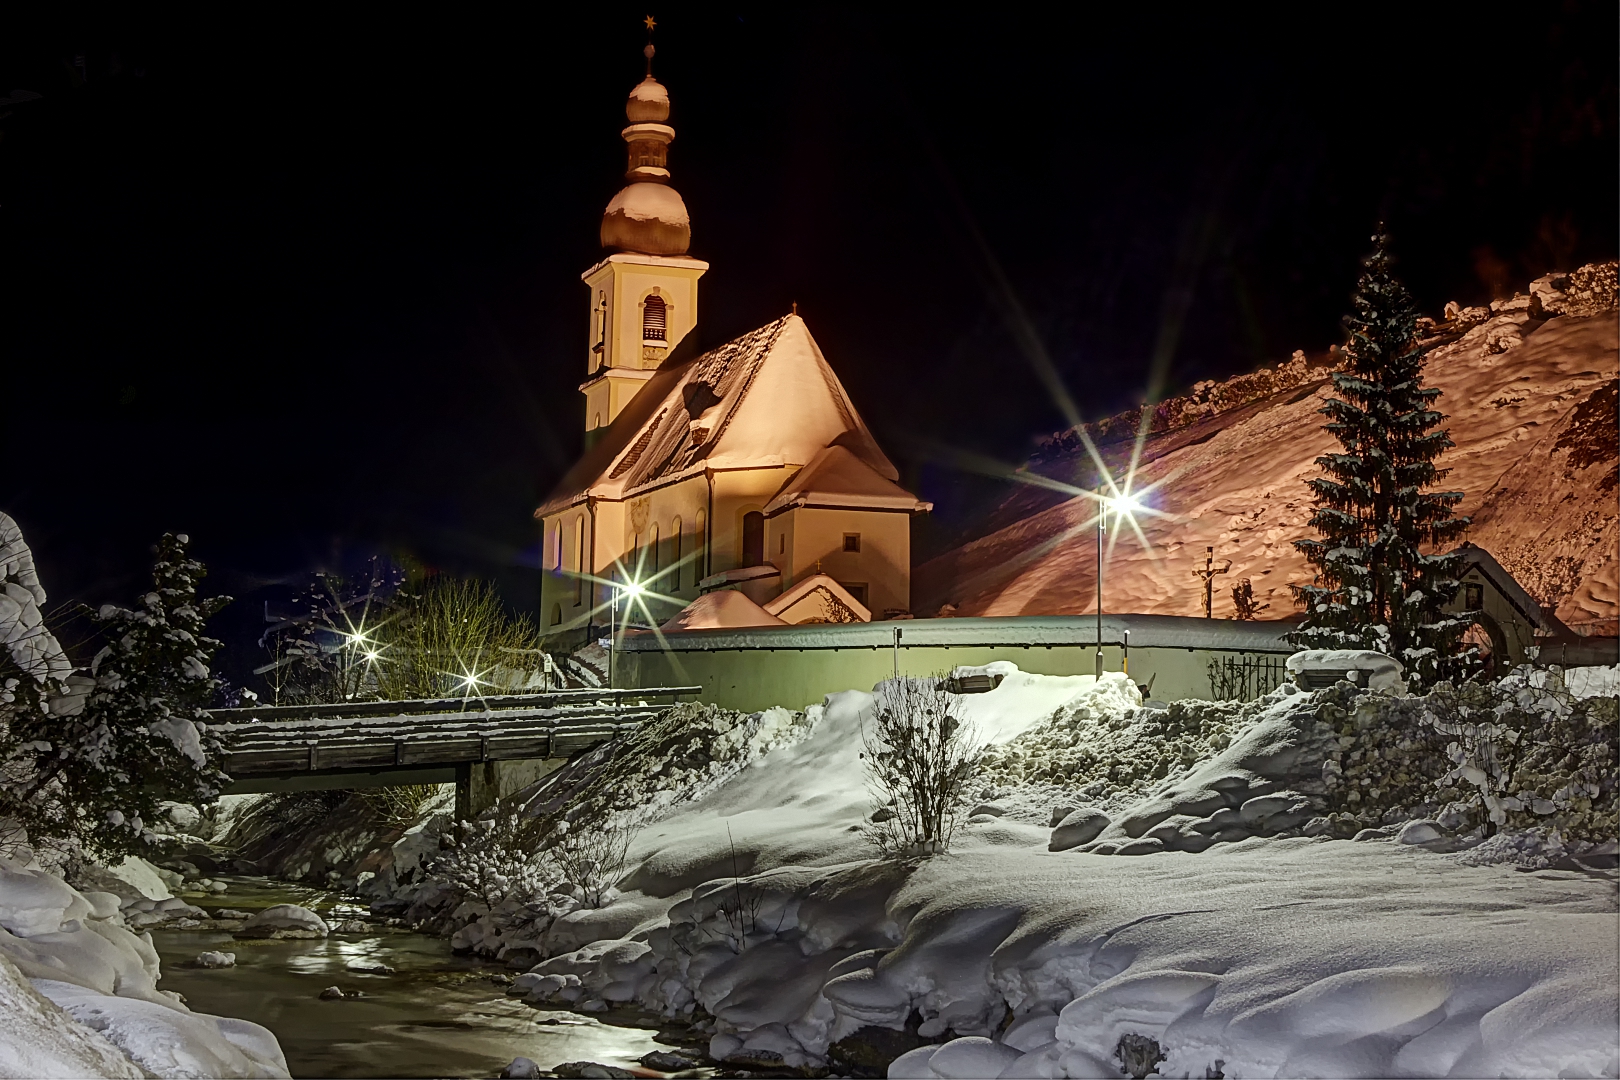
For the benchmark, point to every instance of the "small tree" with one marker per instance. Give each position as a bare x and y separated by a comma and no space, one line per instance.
920,756
1376,586
90,773
453,636
328,650
1245,606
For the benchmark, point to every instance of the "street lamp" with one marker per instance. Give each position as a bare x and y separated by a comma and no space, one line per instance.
1120,505
630,590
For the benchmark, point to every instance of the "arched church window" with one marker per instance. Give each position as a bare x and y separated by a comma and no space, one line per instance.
675,552
652,554
753,538
579,561
701,568
654,318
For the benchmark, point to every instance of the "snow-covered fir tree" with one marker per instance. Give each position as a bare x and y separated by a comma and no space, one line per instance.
1384,571
86,766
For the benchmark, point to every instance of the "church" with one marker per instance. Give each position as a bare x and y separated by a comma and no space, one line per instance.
740,482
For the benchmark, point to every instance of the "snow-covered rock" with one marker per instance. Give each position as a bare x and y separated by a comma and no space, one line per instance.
1078,827
133,878
284,921
215,959
1367,669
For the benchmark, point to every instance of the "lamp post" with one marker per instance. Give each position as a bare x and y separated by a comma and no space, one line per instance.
1102,515
1121,505
630,590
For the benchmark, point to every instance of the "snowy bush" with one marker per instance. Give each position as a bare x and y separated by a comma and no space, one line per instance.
920,756
498,858
1511,754
1111,754
1532,753
90,772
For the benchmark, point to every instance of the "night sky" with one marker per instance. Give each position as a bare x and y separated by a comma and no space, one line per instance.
310,290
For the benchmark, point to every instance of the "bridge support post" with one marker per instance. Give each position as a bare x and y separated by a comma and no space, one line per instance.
481,784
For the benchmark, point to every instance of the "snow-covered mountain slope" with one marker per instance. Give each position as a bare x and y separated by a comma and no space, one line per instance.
1529,387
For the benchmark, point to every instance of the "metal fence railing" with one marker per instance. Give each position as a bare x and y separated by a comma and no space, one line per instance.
1245,677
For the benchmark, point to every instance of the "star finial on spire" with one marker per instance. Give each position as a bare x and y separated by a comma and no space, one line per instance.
648,52
651,23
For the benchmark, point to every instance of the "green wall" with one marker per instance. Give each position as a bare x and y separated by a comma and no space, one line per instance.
757,678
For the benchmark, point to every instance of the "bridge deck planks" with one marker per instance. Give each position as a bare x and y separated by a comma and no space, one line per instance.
262,744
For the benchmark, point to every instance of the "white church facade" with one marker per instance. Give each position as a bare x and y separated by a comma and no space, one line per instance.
743,469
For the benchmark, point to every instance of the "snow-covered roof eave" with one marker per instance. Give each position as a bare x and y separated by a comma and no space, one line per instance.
828,501
1146,631
1476,556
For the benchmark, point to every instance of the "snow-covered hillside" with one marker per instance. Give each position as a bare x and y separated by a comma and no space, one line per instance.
1529,386
758,914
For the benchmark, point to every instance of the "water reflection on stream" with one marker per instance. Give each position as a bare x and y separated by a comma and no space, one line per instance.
436,1015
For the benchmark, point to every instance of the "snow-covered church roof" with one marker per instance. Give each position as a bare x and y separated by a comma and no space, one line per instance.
768,398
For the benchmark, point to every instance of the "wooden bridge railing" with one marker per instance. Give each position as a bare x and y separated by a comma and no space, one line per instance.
284,740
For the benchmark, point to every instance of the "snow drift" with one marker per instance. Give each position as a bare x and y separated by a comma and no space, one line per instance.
756,914
78,995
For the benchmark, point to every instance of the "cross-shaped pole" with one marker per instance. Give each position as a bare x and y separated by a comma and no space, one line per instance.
1208,574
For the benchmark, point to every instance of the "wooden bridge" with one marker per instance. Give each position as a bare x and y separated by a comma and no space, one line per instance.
488,747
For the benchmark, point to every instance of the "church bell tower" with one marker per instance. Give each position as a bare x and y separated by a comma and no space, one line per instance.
644,296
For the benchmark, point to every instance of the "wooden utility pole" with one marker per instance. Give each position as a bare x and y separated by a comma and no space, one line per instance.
1208,574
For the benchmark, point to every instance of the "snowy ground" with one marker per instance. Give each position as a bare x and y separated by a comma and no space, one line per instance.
758,912
78,995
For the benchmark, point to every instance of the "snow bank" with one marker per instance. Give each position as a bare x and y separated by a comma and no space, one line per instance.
757,914
1585,682
33,648
37,1040
1283,958
93,999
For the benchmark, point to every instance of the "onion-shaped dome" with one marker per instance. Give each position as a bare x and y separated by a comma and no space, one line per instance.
647,216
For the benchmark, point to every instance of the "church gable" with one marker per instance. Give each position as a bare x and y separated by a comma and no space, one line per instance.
766,398
795,408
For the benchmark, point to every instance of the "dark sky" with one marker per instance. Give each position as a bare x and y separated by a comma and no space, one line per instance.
310,289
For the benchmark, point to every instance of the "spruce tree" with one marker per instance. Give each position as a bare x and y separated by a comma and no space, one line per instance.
87,771
1384,571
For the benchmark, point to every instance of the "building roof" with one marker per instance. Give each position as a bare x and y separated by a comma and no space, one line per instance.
818,593
767,398
1475,556
1034,631
836,477
726,609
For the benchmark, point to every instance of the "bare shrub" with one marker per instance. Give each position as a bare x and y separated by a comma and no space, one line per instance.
919,758
591,856
400,807
453,636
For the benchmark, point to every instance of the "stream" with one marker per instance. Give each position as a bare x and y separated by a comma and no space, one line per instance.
437,1014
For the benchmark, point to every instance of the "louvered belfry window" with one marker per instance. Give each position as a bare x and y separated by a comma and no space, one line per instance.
653,319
